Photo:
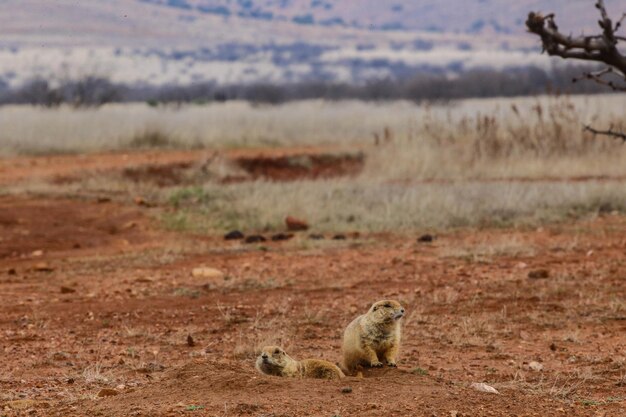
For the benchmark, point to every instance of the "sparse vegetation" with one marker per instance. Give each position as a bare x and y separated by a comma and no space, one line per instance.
419,371
438,167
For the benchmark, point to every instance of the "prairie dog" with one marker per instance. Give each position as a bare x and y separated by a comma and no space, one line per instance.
273,360
373,339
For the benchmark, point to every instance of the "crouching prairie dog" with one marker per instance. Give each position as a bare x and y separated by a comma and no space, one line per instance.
273,360
374,337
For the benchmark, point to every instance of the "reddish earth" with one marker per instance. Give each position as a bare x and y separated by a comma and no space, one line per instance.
175,167
95,296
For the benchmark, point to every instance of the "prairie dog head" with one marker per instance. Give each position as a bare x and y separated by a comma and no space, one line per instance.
272,360
386,311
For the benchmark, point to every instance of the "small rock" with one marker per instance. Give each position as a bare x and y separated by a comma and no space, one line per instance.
42,267
539,274
129,225
281,236
37,253
204,272
482,387
107,392
339,237
255,239
295,225
190,341
234,235
521,265
316,236
67,290
346,390
535,366
427,238
121,387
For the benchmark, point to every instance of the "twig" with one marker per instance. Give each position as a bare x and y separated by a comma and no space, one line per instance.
597,77
609,132
619,22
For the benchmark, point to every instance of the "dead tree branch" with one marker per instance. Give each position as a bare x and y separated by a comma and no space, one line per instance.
597,76
599,48
609,132
596,48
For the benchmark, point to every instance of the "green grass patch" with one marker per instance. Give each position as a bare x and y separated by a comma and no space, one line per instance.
419,371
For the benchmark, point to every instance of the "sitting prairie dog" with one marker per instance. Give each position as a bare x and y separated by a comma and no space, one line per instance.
373,338
273,360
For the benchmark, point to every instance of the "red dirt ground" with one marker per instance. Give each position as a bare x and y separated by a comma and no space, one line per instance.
95,295
168,167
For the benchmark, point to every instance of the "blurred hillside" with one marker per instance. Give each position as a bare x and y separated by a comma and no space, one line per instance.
188,41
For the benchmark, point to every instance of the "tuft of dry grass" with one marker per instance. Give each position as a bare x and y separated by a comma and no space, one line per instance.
484,251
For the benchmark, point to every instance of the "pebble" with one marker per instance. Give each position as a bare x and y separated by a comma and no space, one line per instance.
294,224
255,239
234,235
107,392
539,274
427,238
482,387
281,236
67,290
206,272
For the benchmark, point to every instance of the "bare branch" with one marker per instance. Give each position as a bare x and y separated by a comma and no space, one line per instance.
597,48
600,48
609,132
619,24
597,77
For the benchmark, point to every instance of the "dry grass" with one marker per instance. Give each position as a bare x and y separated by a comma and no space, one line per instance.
506,162
359,205
484,251
473,130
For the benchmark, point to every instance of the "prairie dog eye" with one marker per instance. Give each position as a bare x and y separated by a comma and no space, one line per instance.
387,305
276,352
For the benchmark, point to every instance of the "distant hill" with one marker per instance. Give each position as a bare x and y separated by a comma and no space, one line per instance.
231,41
469,16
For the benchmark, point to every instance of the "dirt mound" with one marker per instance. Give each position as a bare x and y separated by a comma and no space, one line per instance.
302,166
160,174
167,168
221,388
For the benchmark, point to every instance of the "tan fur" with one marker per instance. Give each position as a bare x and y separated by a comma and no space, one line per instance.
373,339
273,360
